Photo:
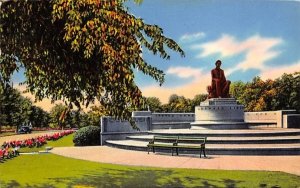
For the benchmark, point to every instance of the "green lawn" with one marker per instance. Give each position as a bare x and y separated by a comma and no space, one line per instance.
49,170
62,142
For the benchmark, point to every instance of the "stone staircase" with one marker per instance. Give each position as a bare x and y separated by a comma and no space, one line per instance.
226,142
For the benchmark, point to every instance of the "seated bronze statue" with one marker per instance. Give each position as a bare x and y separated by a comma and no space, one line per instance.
219,85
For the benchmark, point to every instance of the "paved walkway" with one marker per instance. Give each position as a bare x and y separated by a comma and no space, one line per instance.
104,154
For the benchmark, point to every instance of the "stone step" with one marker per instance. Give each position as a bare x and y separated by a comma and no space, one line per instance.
219,149
228,133
234,140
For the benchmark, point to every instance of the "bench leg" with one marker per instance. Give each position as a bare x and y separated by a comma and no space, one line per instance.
204,152
203,149
172,151
153,150
177,151
148,149
200,152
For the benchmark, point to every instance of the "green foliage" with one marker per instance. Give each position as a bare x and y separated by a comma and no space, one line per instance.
259,95
39,117
16,110
179,104
57,171
237,89
288,89
95,114
153,103
87,136
61,116
55,114
80,51
198,99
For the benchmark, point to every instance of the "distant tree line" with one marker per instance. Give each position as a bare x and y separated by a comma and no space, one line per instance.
258,95
17,110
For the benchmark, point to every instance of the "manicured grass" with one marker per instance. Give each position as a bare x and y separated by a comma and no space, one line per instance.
62,142
49,170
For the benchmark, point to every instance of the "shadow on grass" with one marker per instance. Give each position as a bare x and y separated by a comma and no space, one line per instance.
146,178
133,178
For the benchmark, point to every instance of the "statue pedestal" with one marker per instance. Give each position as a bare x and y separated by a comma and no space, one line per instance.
219,113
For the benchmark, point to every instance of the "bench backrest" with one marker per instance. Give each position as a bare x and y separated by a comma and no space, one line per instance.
193,139
165,138
180,139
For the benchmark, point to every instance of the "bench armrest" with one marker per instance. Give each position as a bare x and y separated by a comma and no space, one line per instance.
151,142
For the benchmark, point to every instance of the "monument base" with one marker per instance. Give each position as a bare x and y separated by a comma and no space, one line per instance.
219,113
217,125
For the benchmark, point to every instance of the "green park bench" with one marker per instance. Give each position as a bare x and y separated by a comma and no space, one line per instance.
178,142
191,142
162,142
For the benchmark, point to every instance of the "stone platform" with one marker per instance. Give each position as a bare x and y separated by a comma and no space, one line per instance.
219,113
225,142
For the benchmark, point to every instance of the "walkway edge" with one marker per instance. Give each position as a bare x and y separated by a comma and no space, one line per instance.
104,154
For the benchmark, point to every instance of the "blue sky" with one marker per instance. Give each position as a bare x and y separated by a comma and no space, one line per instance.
251,37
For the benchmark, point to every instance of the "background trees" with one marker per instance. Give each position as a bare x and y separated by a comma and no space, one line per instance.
288,89
258,95
16,110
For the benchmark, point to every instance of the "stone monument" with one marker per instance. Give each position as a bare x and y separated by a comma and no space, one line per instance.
219,111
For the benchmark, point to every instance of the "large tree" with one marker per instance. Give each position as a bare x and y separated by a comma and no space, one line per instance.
80,50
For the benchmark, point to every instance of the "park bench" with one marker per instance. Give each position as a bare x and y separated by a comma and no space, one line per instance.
162,142
192,143
178,142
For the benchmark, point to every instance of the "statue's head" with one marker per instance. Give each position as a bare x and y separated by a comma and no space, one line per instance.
218,63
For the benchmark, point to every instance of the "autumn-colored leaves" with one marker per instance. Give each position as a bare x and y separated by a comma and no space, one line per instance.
92,48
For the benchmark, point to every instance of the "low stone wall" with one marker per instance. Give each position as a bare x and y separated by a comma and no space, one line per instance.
173,125
116,129
270,118
173,117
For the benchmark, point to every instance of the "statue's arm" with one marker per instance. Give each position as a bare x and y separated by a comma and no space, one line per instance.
223,76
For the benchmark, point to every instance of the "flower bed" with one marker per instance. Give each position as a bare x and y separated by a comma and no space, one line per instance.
10,148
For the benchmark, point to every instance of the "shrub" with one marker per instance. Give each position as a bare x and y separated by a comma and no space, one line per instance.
87,136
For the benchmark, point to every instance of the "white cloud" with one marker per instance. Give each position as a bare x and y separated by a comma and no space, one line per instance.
192,37
184,72
277,71
258,50
226,46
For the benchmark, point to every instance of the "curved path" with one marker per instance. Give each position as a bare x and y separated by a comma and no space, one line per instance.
104,154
